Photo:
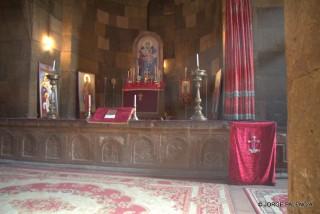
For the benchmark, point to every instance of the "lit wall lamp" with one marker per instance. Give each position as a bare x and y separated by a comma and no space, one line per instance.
165,66
47,43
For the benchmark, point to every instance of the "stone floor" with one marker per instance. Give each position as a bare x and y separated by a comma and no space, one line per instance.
239,199
241,202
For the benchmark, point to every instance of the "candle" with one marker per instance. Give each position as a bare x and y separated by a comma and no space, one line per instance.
89,102
197,60
135,101
54,65
185,73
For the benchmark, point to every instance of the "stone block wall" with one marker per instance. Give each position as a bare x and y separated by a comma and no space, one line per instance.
269,60
116,24
187,28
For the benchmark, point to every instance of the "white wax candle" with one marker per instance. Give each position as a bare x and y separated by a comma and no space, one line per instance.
135,101
197,60
185,73
54,65
89,102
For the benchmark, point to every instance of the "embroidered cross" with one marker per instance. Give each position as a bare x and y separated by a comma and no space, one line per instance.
253,142
140,96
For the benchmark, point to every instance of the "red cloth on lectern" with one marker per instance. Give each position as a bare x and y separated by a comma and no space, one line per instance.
246,167
123,115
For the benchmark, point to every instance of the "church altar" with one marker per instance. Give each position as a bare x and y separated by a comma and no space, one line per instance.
157,148
149,98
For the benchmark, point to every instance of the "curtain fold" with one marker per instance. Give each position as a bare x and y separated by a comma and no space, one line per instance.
239,68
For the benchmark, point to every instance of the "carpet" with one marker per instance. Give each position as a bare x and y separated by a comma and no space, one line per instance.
36,190
267,201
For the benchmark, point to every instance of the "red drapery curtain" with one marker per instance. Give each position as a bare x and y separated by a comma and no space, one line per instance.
239,68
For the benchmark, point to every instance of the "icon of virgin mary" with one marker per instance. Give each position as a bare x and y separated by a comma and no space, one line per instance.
147,59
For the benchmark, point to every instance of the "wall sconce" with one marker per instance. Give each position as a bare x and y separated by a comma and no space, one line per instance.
165,66
47,43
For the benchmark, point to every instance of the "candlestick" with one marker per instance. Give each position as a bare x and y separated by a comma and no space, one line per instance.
89,107
54,65
185,73
134,116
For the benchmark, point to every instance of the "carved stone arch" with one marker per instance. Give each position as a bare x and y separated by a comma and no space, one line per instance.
7,143
157,43
111,150
144,150
176,149
29,146
80,148
53,147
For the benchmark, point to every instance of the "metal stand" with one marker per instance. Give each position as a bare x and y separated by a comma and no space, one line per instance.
134,115
198,75
52,114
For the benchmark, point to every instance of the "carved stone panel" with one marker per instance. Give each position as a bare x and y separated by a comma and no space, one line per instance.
144,150
81,148
174,151
111,150
7,144
53,147
213,154
29,146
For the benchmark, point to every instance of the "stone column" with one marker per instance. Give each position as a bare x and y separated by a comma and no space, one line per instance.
302,32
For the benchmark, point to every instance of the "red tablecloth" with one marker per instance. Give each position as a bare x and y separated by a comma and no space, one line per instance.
122,115
252,154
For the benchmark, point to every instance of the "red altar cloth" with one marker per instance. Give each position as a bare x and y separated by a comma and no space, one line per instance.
252,153
121,115
143,86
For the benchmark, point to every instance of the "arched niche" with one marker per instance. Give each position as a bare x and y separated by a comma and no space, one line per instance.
148,56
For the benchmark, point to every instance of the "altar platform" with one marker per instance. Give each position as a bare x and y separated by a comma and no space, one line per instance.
185,149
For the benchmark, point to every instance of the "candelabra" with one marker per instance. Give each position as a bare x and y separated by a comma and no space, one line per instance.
53,114
198,75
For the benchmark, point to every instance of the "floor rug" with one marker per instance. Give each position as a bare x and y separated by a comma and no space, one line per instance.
35,190
267,201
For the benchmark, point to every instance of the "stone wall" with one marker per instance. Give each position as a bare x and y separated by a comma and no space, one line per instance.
15,54
302,22
187,28
270,66
116,26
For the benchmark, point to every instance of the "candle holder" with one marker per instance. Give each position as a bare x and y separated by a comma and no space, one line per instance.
53,114
134,116
198,75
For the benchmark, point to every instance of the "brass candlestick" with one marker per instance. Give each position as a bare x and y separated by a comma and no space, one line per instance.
198,75
52,114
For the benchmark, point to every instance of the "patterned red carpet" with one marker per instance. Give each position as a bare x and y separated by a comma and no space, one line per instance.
33,190
267,201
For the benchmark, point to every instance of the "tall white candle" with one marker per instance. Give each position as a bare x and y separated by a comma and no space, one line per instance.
89,102
54,65
135,101
197,60
185,73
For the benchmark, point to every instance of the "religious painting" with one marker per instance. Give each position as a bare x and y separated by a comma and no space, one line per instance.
86,93
148,58
47,93
148,55
216,95
185,91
